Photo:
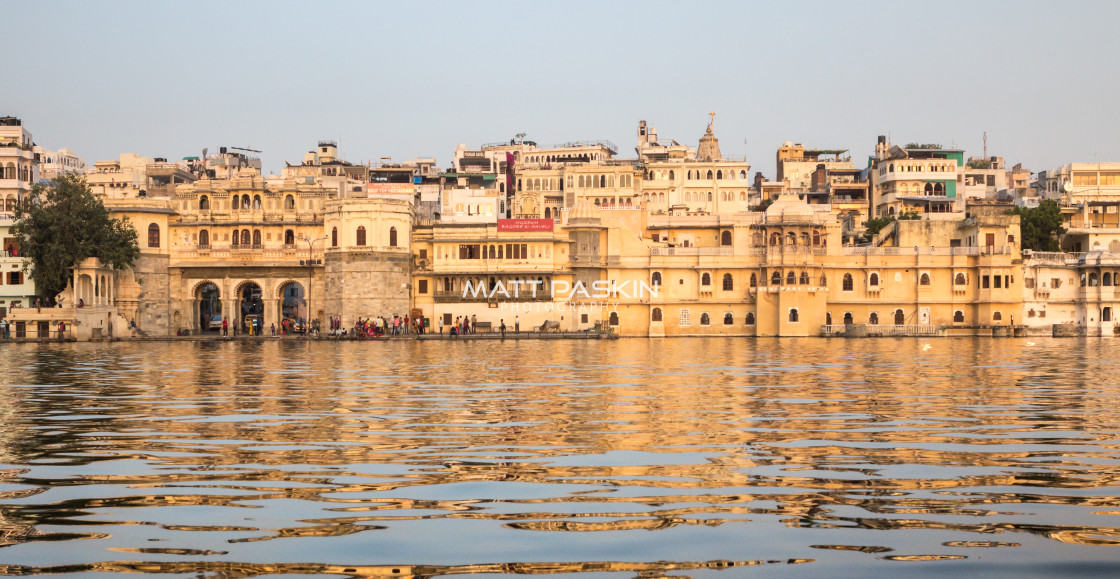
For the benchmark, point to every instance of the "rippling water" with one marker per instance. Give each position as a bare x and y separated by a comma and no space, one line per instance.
683,457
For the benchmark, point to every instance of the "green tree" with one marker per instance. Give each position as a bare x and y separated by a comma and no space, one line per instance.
1040,228
875,225
60,225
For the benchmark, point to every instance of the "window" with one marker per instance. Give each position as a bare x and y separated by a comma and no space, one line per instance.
257,237
873,319
793,315
334,237
289,237
848,320
729,319
804,278
960,279
750,319
655,279
422,286
1106,315
236,238
706,279
728,282
289,202
924,280
958,317
725,238
791,278
153,235
583,318
996,316
204,203
360,237
754,280
203,238
899,318
15,277
705,320
873,280
685,319
848,282
256,202
656,315
776,279
392,237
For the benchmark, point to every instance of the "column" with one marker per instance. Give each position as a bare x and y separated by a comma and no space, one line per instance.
271,314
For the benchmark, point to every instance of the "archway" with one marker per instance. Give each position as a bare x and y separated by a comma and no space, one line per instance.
208,300
293,305
250,305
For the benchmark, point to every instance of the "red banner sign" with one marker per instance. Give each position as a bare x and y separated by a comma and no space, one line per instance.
525,225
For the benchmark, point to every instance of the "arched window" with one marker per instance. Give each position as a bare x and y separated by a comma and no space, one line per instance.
719,174
776,279
775,238
245,239
728,319
656,315
492,253
873,319
899,318
754,280
958,317
848,318
960,279
257,237
244,201
204,203
613,319
360,237
236,239
705,320
392,237
153,235
750,319
672,175
334,237
1106,279
256,202
848,283
655,279
996,316
725,238
728,282
289,237
289,202
203,238
791,238
742,174
709,174
709,196
873,280
924,279
803,279
706,279
1093,279
793,314
791,278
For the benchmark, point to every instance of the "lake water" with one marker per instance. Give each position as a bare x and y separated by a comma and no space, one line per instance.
628,458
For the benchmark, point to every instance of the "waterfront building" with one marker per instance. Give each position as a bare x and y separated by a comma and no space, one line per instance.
55,163
19,171
920,178
796,165
1089,195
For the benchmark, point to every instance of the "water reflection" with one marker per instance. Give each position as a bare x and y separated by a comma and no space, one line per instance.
639,457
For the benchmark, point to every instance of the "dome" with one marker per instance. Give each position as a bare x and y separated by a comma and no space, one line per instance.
584,210
788,205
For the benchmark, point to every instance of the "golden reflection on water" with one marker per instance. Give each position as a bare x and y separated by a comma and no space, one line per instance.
631,456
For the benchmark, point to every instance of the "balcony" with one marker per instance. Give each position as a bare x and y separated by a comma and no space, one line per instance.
690,251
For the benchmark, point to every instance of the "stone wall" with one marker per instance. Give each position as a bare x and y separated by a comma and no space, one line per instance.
365,284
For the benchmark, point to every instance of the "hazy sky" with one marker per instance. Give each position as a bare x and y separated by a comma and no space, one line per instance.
404,79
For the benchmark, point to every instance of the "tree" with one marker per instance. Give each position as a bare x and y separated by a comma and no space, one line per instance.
60,225
1040,228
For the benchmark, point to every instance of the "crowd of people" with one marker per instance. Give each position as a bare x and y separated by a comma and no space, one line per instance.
380,326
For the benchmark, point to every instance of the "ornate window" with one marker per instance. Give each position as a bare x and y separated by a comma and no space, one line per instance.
153,235
656,315
728,282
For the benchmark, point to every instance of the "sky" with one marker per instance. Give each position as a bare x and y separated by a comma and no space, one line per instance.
415,79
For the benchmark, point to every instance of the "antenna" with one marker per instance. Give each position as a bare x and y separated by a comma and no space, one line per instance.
245,149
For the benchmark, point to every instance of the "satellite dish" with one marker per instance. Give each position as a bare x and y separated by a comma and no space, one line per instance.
1067,186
